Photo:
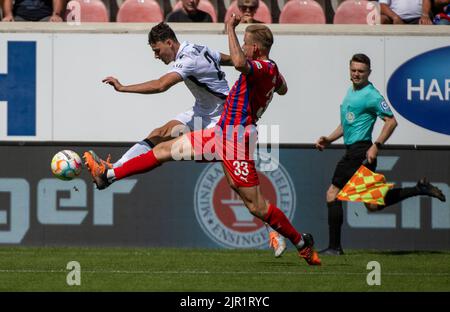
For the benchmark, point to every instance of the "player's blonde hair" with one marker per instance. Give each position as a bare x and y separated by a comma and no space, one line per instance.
262,35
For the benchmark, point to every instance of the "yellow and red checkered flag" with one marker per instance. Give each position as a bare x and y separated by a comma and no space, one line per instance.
365,186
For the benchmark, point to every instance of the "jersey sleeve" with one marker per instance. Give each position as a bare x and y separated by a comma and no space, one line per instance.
216,56
184,66
380,107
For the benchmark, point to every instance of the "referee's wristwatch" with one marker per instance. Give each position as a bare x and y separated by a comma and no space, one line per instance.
378,144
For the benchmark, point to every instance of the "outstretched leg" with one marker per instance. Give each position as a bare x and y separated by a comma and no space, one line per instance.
276,240
178,148
396,195
158,135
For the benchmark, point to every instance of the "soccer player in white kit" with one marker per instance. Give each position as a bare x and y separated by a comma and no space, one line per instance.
199,68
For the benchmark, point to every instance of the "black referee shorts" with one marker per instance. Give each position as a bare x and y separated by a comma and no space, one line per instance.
352,160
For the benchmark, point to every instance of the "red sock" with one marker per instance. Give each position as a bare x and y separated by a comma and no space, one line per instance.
140,164
280,223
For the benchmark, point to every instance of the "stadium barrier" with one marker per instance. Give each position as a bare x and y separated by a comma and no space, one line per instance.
189,204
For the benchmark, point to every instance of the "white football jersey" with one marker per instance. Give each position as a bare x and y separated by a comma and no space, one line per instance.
200,69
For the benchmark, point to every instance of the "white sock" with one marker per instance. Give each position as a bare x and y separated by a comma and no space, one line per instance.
300,244
136,150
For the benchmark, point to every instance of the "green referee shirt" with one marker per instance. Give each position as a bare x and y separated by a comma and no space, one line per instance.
359,111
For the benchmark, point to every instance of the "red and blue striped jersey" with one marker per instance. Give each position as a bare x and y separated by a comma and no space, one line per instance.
251,94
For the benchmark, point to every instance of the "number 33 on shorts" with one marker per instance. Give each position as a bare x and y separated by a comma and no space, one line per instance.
240,168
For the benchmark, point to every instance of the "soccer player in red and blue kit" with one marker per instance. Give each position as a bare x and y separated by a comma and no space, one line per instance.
232,140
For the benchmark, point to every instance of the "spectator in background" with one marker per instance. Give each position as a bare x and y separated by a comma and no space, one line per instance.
441,8
248,9
439,5
189,13
406,12
32,10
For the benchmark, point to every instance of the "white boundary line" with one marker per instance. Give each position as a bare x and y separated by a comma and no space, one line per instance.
441,274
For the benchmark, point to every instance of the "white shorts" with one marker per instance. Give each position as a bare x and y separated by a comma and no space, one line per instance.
197,122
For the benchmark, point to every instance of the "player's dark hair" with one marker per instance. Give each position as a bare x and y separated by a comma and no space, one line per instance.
262,35
161,33
361,58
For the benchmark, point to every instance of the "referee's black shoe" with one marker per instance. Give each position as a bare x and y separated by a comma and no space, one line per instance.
426,188
332,251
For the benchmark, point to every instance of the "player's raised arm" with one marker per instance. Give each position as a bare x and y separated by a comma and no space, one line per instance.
225,60
150,87
282,90
237,55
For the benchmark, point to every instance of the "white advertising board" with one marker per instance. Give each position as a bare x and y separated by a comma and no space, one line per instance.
72,104
26,87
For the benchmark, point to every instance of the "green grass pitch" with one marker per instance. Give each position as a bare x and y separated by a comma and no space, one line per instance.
171,269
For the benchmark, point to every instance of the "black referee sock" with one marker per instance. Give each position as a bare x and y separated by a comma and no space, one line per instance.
335,220
398,194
